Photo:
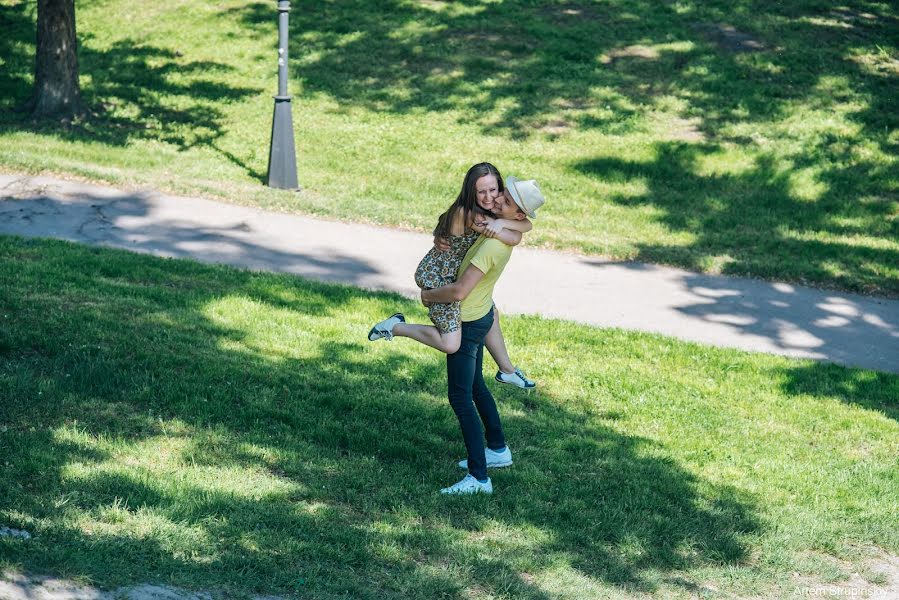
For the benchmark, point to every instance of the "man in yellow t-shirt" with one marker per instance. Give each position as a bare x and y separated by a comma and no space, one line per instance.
468,394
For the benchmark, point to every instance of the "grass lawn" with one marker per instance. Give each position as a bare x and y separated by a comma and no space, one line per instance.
750,137
170,422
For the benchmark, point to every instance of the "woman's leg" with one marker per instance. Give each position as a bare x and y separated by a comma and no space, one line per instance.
430,336
496,346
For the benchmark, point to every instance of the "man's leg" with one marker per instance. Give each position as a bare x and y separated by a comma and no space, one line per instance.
486,405
460,372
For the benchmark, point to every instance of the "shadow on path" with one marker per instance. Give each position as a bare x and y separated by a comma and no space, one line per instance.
776,313
778,318
138,222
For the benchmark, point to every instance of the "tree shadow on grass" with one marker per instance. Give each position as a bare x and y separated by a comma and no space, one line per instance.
291,464
751,223
868,389
523,68
133,90
165,96
17,34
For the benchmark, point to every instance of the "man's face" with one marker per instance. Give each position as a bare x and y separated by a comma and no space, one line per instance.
505,208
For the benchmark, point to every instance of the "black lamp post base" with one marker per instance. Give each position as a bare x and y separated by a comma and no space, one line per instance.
282,157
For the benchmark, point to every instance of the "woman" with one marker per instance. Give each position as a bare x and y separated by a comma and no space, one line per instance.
468,217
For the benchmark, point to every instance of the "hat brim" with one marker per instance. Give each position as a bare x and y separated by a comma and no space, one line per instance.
511,182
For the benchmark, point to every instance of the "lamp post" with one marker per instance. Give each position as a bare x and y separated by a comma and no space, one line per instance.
282,155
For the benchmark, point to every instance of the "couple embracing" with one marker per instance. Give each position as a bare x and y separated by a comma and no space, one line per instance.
474,239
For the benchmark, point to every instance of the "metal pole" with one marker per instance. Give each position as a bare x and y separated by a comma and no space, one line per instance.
282,156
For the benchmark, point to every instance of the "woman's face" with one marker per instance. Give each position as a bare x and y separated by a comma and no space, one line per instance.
488,190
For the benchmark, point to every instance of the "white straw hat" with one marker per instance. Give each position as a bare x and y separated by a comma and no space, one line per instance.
526,195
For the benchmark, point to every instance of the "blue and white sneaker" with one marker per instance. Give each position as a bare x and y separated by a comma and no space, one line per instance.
384,329
469,485
495,460
516,378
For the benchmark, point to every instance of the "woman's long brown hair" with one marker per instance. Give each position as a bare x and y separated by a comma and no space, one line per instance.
467,198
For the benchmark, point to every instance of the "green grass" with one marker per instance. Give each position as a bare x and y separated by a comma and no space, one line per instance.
211,428
656,134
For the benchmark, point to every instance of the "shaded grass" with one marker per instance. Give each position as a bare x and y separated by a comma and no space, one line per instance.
753,137
213,428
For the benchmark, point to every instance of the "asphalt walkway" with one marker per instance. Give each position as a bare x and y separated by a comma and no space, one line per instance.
779,318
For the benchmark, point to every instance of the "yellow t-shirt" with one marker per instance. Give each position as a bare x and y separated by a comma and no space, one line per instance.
490,257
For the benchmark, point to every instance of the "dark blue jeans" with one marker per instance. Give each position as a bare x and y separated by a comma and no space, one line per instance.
470,398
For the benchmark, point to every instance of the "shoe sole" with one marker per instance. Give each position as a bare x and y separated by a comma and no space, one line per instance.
466,493
374,330
521,387
490,466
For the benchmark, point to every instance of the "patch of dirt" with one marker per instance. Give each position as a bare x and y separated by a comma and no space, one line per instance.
555,127
729,38
490,38
686,130
14,586
11,531
876,578
572,104
572,15
635,51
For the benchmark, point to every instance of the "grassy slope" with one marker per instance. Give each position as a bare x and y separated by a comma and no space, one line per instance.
654,133
167,421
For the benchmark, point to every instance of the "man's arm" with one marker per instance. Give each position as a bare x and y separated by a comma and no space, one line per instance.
456,291
522,225
506,236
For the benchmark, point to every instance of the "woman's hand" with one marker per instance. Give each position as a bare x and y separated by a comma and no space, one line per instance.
492,227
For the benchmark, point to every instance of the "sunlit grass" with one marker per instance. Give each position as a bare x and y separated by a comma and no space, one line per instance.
165,421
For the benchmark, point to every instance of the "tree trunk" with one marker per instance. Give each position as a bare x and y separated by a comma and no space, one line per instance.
56,89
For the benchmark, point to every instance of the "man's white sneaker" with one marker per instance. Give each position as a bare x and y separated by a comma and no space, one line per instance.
384,329
495,460
516,378
469,485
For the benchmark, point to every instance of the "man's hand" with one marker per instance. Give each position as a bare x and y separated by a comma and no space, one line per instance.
441,244
423,300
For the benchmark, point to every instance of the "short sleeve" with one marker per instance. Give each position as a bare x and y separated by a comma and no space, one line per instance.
485,258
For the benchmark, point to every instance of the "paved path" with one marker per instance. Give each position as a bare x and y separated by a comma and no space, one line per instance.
724,311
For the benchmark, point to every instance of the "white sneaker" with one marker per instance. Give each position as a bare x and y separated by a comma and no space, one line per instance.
469,485
495,460
384,329
516,378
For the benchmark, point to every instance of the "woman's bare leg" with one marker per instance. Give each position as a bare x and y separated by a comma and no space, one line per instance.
496,345
430,336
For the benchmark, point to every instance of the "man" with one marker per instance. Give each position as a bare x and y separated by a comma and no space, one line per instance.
468,394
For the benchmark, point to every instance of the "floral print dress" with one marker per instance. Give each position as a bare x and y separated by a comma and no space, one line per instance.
437,269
